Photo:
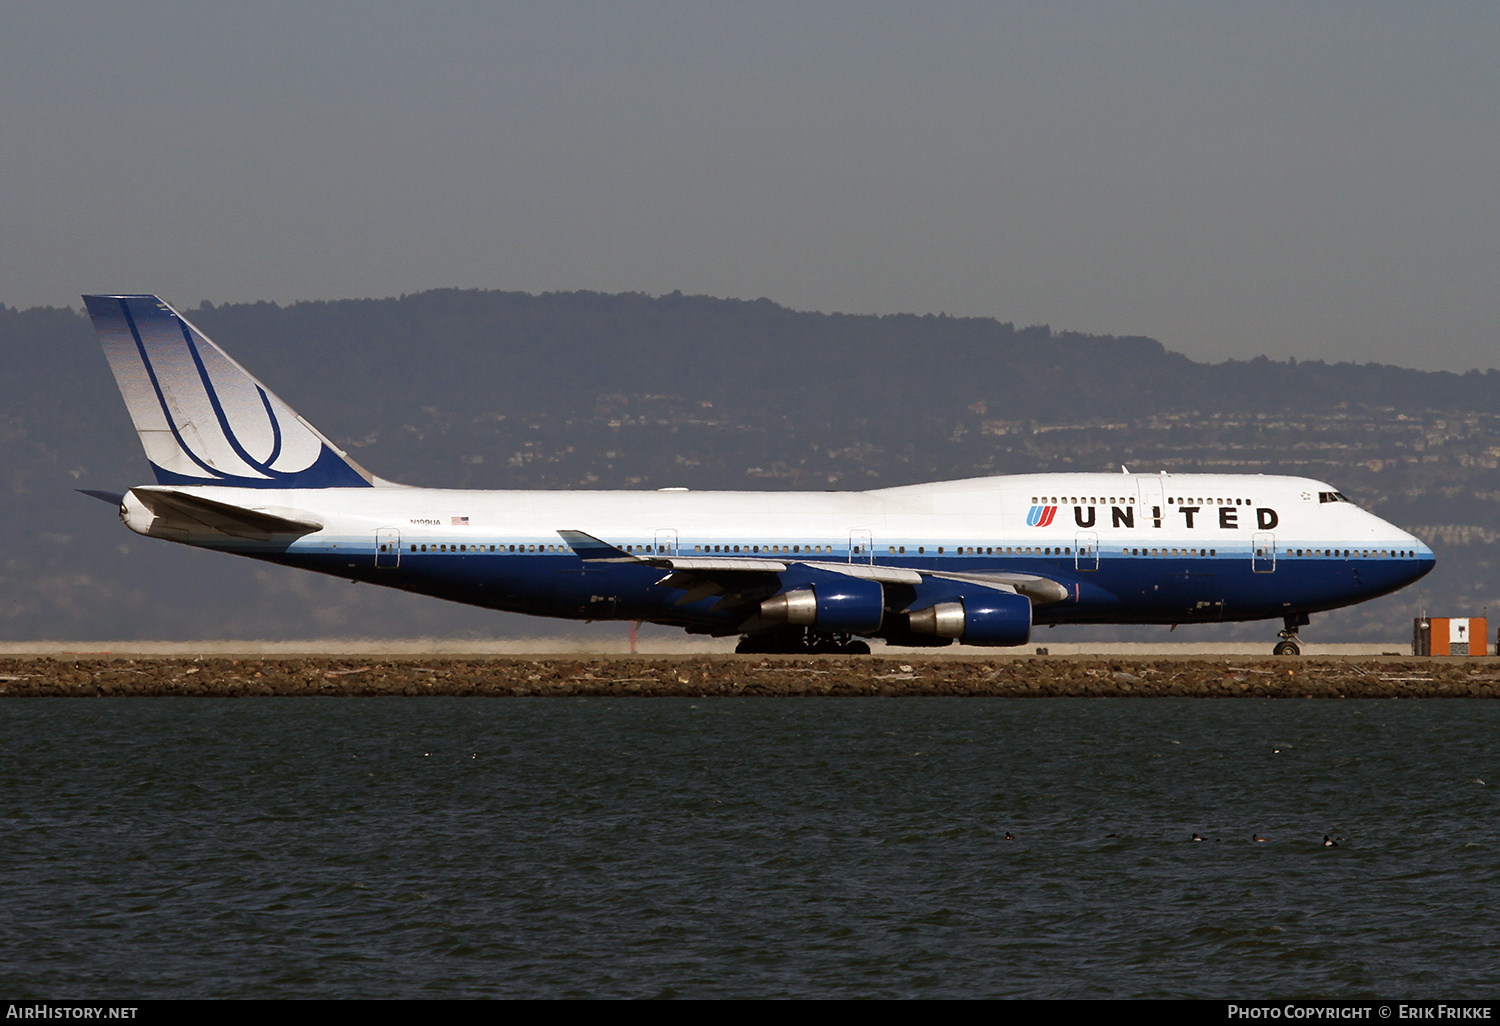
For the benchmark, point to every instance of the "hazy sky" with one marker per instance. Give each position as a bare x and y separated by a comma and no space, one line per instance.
1317,180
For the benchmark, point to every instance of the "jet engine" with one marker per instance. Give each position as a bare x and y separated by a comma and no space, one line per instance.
840,605
998,618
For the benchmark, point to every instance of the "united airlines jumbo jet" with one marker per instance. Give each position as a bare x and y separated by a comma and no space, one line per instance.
978,561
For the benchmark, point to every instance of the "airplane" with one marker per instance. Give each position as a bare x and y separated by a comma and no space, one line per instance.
979,561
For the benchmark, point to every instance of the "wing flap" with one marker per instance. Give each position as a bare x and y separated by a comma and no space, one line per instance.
1041,590
870,572
730,565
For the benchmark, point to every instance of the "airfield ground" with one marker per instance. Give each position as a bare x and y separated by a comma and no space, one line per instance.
97,674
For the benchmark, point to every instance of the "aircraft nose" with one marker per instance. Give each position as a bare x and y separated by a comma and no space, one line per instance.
1424,561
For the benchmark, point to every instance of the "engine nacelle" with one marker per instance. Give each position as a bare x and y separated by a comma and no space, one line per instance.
993,618
845,605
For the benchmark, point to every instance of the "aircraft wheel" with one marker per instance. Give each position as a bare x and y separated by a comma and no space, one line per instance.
857,648
1286,648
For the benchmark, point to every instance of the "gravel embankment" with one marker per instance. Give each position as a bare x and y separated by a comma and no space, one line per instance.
1022,677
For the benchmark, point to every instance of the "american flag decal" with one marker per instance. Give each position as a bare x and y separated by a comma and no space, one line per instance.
460,521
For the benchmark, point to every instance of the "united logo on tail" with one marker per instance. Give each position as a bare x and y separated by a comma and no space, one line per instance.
202,418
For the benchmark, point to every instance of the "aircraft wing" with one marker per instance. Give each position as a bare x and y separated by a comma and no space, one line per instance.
195,510
592,550
1041,590
701,576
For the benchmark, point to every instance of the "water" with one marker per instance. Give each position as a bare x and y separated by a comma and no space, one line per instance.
807,847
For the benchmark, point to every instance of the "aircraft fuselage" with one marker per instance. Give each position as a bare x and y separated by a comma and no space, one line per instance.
1126,548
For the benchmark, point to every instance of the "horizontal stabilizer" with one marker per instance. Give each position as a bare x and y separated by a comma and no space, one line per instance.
113,498
224,517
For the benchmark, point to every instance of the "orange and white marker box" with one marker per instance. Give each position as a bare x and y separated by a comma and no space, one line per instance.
1452,636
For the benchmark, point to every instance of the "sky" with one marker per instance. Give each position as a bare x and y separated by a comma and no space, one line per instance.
1308,180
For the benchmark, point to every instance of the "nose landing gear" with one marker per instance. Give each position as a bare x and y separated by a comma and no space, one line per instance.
1290,643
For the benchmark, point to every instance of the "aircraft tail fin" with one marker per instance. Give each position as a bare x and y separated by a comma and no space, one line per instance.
203,419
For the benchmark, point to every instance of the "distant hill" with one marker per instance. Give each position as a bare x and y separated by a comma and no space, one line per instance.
500,389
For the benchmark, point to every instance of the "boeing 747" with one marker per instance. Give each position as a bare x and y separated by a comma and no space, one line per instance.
978,561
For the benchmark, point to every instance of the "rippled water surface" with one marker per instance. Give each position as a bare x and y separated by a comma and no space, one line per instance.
838,847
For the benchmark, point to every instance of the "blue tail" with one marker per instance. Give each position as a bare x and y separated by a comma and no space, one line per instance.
203,419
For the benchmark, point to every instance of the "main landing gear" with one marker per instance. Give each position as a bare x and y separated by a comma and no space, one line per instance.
800,642
1290,643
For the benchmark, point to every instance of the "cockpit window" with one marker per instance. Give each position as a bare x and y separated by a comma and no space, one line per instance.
1332,497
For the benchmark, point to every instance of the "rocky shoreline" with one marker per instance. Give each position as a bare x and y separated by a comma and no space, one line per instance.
724,676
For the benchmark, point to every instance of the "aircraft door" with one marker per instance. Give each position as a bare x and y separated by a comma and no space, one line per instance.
1263,552
1153,503
387,548
861,547
1086,550
666,543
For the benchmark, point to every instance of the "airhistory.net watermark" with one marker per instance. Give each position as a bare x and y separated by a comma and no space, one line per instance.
44,1011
